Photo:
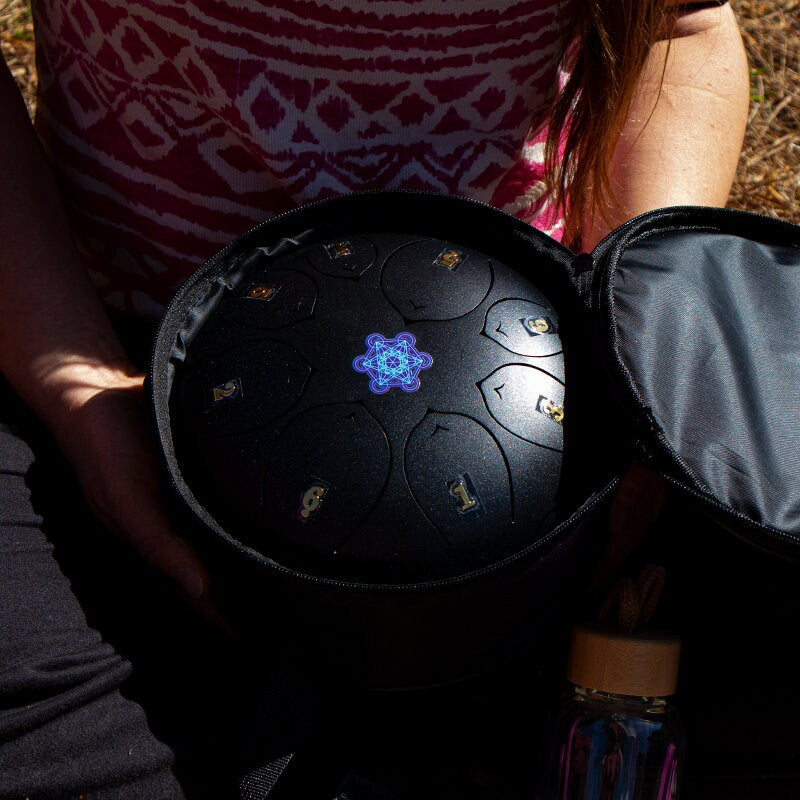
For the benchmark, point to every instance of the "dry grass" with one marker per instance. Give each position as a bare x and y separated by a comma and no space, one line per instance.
16,43
768,179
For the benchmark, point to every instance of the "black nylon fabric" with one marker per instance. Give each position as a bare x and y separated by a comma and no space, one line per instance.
708,327
211,292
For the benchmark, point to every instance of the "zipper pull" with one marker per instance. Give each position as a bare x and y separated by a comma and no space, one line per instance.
646,430
582,275
583,262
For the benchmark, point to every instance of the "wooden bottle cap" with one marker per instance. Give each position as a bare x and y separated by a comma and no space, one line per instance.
640,665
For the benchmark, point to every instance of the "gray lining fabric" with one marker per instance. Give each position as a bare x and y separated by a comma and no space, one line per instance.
708,327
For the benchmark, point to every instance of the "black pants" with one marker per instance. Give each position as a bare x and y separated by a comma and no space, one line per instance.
76,607
66,729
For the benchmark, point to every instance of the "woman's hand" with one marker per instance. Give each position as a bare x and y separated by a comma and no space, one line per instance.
59,352
105,435
114,459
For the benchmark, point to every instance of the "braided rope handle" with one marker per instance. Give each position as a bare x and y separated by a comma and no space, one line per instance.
634,601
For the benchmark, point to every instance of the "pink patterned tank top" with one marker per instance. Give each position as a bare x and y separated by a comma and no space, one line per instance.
175,125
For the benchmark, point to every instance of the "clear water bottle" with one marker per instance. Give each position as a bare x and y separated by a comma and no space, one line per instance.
615,736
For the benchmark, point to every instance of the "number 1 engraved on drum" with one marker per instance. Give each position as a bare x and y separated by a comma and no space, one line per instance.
462,490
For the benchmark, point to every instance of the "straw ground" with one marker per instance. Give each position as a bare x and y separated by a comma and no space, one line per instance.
768,179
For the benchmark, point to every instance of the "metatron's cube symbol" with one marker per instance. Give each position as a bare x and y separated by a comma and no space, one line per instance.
392,362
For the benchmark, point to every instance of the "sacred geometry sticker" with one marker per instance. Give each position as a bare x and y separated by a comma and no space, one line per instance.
392,362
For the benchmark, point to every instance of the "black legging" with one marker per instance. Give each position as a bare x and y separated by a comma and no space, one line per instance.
67,725
65,728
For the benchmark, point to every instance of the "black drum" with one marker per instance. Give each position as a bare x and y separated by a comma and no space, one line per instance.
377,412
378,407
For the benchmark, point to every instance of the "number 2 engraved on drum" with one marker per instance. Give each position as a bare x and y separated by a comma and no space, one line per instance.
262,292
230,389
311,501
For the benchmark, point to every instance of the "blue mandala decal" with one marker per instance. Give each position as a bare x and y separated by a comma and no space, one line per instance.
392,362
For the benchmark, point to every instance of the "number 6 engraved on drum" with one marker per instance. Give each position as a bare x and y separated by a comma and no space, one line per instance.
311,501
537,326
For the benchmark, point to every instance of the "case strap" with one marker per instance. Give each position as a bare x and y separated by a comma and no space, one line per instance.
258,784
633,602
261,782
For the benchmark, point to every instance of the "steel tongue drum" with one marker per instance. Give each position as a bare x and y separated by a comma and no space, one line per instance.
372,406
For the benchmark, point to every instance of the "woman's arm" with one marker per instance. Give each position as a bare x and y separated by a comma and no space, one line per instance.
680,146
683,137
59,352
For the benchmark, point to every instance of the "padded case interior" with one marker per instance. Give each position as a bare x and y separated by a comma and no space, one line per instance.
705,327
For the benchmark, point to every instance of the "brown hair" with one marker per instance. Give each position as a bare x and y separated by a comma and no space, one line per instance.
609,43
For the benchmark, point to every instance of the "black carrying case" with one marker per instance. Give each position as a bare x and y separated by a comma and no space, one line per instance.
682,349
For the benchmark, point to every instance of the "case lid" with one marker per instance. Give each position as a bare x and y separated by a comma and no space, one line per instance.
701,312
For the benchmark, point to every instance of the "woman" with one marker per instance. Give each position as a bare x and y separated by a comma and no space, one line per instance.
173,127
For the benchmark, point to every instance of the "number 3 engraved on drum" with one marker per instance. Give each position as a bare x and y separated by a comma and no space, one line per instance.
550,409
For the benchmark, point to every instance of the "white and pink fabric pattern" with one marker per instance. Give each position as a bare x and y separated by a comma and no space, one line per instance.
176,125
